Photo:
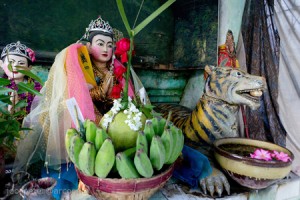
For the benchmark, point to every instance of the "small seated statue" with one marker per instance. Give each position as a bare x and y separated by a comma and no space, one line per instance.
21,58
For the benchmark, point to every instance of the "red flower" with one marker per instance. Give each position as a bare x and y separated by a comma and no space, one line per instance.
116,91
31,54
122,46
119,70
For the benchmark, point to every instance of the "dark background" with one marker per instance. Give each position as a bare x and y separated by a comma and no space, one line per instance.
183,36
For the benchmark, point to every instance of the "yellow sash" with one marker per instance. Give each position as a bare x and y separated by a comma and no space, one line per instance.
86,65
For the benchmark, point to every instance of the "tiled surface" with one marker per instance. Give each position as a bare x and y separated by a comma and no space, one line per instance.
287,189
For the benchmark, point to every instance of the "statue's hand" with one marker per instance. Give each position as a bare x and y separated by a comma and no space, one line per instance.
216,182
108,83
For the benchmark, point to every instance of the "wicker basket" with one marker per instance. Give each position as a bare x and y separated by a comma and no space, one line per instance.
125,189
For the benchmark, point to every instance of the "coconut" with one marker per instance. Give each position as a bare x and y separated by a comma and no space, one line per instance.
120,133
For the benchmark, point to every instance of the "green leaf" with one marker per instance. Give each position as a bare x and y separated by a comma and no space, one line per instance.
4,90
123,16
4,111
146,21
146,112
19,113
14,125
16,134
4,82
5,99
9,66
156,114
149,106
22,103
31,75
24,86
2,120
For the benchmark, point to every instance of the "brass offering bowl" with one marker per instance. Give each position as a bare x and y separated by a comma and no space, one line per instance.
233,155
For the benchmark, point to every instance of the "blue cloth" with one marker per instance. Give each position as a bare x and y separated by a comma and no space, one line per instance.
194,167
67,181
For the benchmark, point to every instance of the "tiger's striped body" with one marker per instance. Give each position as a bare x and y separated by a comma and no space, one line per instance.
215,114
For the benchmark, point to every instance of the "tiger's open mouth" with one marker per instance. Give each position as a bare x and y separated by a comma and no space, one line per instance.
253,94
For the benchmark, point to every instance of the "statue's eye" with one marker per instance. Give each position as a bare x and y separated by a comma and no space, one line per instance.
238,74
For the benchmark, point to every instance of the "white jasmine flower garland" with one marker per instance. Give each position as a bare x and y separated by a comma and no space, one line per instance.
133,115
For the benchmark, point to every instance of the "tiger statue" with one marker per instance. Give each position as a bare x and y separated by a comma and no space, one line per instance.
215,115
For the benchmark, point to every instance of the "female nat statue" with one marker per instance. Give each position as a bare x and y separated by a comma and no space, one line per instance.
91,75
21,58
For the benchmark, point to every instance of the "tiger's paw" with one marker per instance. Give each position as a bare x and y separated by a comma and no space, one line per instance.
215,183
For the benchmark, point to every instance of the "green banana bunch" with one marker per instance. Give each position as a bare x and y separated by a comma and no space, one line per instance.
158,125
181,143
167,140
157,153
101,136
76,144
90,130
86,158
155,123
161,126
143,164
130,152
149,130
125,166
69,133
141,142
178,141
105,159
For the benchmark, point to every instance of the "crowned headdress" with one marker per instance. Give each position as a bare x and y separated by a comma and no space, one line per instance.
18,49
98,25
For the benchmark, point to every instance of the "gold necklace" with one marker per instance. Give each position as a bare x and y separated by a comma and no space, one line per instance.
99,75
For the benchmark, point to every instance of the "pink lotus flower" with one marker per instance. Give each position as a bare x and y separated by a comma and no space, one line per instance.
261,154
281,156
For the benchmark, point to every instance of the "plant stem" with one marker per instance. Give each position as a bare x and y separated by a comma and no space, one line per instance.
153,16
123,16
132,33
129,54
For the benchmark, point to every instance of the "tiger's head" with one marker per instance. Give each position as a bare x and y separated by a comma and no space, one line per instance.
234,86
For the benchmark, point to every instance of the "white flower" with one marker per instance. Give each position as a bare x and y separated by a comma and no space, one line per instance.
133,115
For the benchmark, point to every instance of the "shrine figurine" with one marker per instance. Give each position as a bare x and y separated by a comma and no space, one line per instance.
20,57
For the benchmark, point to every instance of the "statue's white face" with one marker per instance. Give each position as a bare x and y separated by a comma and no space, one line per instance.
18,63
101,48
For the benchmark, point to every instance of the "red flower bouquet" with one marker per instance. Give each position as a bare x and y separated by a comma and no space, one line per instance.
116,91
123,46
